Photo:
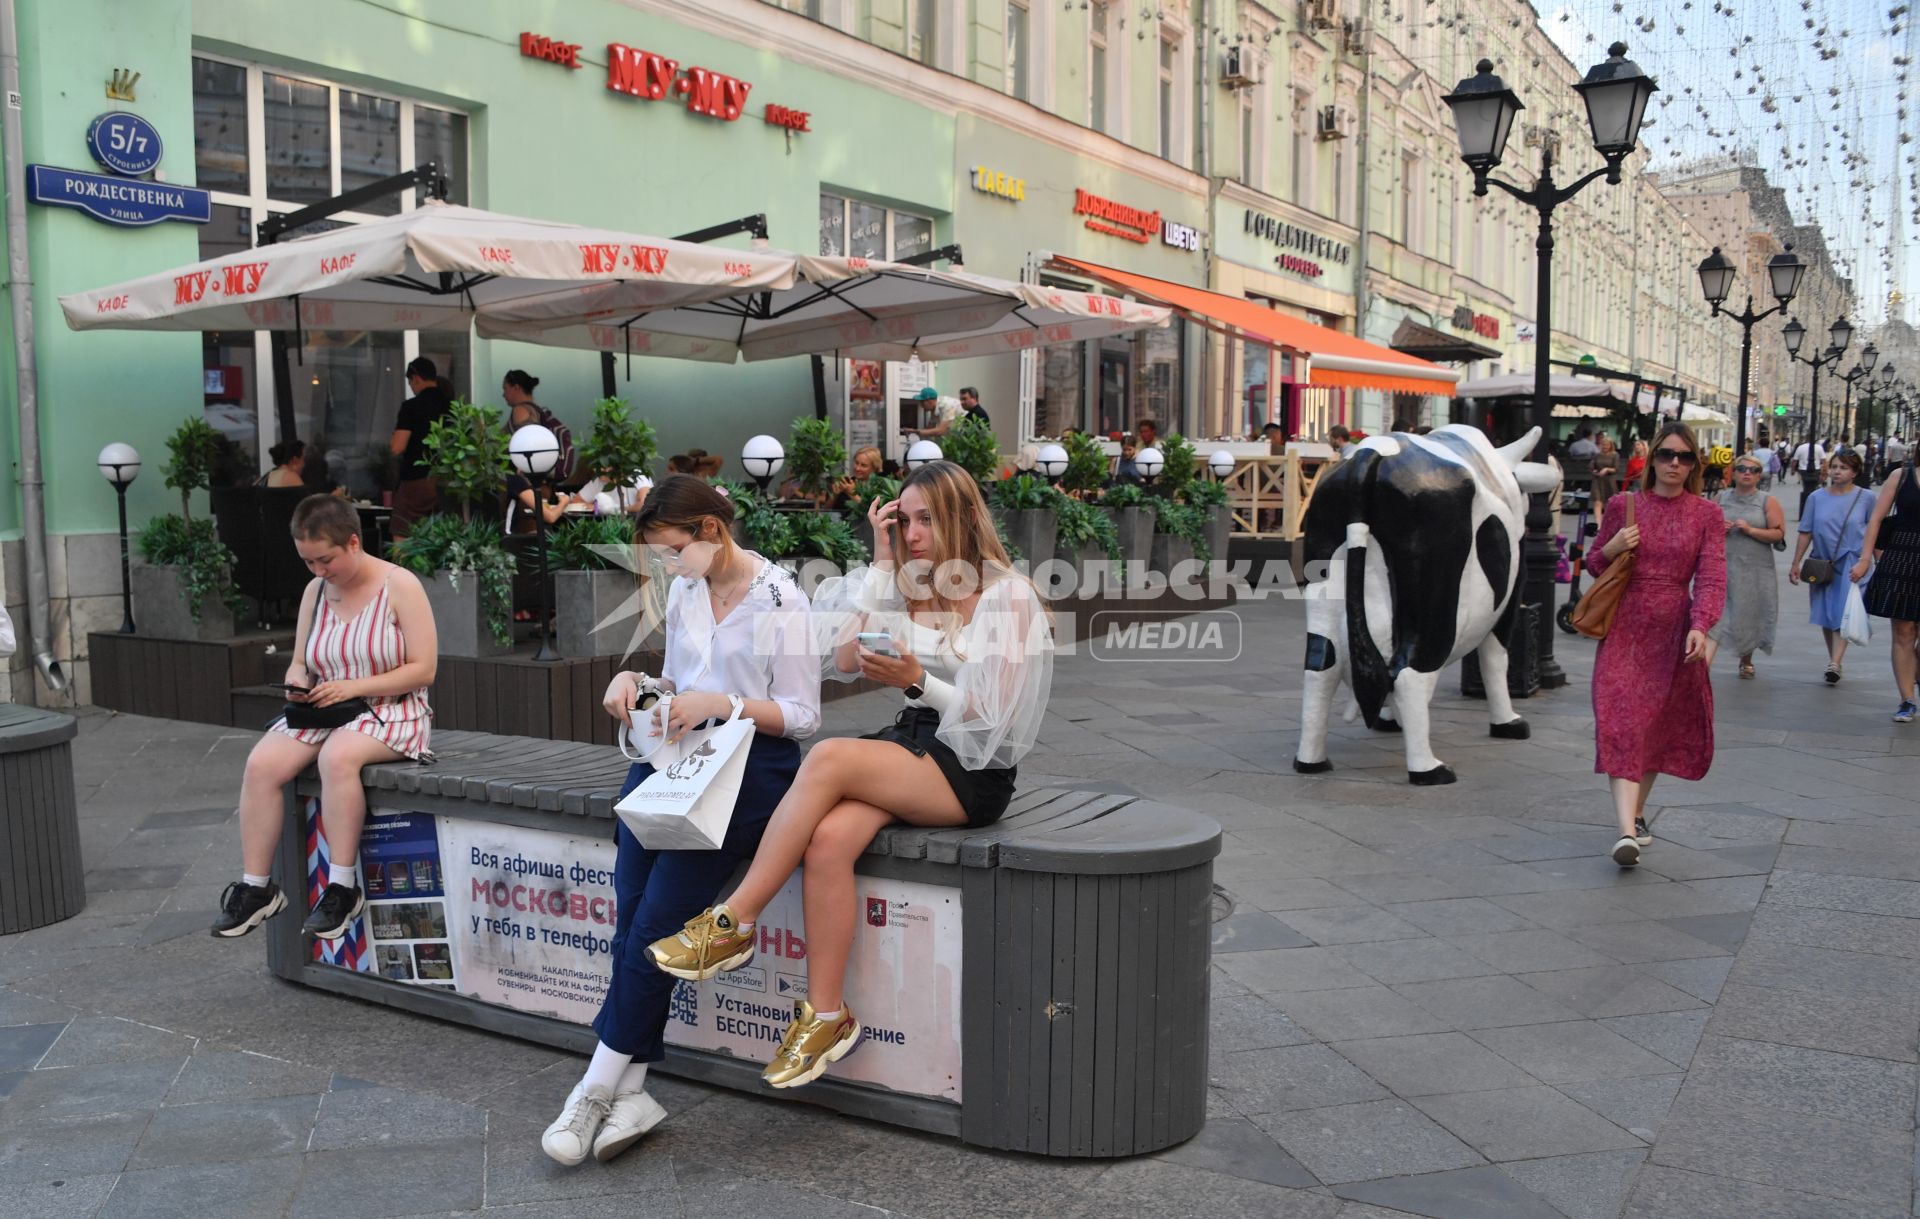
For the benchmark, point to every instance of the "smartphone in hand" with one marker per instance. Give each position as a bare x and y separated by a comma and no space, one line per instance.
877,641
290,689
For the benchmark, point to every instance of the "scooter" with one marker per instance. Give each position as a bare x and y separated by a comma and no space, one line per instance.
1583,529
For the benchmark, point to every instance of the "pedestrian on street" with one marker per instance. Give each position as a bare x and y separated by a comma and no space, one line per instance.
1637,464
1605,469
942,616
723,605
364,652
1895,591
1755,527
1833,525
1652,701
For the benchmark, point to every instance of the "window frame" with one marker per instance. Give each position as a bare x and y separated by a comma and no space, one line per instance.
258,205
1166,98
1100,85
1018,73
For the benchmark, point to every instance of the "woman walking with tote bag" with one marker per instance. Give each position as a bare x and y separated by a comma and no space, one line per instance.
1833,526
1652,702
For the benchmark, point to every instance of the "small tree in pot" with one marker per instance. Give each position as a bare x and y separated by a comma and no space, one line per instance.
971,445
462,560
1133,521
620,448
815,458
184,583
596,579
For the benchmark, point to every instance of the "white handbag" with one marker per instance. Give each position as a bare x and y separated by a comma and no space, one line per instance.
687,804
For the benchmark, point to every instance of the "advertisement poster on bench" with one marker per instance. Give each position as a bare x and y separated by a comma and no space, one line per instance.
531,915
402,936
903,983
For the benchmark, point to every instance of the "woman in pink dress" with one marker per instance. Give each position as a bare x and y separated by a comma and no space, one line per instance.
1652,702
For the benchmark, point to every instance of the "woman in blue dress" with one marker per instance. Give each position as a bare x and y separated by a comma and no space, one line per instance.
1833,525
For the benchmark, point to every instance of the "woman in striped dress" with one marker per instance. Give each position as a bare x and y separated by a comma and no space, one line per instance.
366,632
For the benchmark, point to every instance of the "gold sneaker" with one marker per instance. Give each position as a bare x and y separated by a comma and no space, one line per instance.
712,942
810,1044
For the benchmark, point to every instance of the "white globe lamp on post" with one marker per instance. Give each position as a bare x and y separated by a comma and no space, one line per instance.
922,452
1051,461
1149,461
120,465
534,451
763,456
1221,463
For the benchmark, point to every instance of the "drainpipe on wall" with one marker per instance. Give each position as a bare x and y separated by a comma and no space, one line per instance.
20,297
1361,300
1193,404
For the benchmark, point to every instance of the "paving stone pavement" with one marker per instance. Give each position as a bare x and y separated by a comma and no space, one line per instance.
1429,1002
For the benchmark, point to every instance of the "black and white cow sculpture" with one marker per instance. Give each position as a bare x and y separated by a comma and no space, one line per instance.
1422,537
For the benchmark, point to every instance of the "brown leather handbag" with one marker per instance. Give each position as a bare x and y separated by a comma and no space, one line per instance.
1593,617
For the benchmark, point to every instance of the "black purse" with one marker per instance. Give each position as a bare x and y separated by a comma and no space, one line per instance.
303,716
1820,571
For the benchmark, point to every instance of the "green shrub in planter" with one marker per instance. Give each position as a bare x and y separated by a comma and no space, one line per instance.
589,543
619,447
1021,493
1185,522
971,445
824,535
815,456
193,452
1124,495
873,488
464,549
1178,473
204,563
1206,494
1087,464
467,453
761,526
1078,524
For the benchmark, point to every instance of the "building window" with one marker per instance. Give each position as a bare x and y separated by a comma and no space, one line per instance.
1097,68
314,140
1168,57
1018,53
855,228
1409,204
923,23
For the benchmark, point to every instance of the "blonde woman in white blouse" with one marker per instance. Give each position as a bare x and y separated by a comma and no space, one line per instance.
971,646
738,635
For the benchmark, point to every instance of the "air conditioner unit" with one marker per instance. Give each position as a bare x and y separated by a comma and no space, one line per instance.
1242,68
1356,36
1323,14
1327,124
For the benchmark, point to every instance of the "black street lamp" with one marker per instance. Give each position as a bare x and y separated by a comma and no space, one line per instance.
1616,93
1877,389
1716,280
535,451
1869,356
120,465
1838,336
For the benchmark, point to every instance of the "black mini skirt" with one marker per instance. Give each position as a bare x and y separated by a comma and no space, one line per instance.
983,794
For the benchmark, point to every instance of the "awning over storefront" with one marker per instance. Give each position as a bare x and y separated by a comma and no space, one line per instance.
1430,344
1335,359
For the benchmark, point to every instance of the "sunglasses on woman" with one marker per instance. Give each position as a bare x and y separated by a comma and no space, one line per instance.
1685,457
1746,469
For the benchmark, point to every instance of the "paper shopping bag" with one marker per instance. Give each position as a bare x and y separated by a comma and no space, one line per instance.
688,804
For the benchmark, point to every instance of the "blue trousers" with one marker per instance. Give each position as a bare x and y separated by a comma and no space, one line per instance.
658,891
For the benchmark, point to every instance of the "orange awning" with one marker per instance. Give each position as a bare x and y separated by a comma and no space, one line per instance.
1335,359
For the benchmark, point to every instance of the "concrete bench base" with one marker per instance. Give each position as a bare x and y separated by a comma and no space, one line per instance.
1082,946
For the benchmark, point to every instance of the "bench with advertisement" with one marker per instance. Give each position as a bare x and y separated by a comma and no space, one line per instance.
1039,985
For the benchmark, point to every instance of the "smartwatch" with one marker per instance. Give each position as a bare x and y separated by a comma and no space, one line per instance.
915,691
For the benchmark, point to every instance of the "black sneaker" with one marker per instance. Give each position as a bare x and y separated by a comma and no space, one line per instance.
244,907
1641,834
338,907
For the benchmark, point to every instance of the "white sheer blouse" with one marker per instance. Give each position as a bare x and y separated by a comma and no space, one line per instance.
762,649
989,680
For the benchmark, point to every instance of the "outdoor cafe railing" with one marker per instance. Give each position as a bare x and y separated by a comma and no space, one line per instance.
1268,496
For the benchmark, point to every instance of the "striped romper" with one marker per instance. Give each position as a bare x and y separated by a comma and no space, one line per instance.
365,646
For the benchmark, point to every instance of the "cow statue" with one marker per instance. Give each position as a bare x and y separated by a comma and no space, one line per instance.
1422,539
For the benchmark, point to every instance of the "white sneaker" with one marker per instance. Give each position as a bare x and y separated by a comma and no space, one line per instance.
632,1115
1626,852
570,1137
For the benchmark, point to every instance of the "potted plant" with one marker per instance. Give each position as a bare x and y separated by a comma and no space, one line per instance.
874,488
468,575
1179,534
1133,522
1085,537
620,448
1178,474
184,583
1025,506
1211,499
816,458
463,560
971,445
595,582
1087,465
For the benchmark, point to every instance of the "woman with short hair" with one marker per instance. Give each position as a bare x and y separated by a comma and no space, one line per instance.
1755,526
1833,528
365,651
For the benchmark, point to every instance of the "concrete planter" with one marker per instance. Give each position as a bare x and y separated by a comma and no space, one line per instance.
1219,531
458,618
1032,530
1135,526
1170,552
160,608
583,600
1086,561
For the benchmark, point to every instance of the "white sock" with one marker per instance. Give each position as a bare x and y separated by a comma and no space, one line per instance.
258,882
606,1068
342,874
827,1017
633,1079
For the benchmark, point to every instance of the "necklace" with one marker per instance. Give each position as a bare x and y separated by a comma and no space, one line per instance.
726,599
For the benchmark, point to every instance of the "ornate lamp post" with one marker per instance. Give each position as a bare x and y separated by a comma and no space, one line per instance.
1838,335
1876,392
1616,93
762,456
534,451
1716,280
120,465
